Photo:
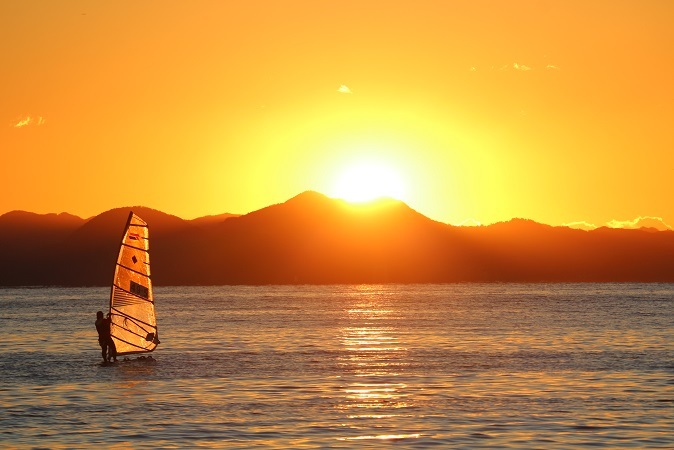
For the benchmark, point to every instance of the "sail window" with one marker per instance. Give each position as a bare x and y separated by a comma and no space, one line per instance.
139,290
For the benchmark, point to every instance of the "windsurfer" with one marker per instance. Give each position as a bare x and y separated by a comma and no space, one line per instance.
108,349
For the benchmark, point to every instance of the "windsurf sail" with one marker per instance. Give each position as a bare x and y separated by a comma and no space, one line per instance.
134,322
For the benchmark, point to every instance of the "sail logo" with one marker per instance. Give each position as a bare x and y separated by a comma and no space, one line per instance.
139,290
134,236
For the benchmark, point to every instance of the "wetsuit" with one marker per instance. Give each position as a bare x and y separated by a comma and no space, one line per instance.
108,349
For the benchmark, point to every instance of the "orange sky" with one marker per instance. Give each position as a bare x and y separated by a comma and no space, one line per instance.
556,111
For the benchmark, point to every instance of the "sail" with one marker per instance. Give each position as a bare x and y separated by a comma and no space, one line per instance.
134,324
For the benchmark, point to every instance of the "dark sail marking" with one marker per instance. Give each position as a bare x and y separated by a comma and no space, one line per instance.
139,289
133,246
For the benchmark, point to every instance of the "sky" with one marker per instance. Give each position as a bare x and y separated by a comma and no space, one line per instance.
474,111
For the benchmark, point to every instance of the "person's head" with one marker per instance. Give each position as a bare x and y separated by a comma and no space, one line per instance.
99,315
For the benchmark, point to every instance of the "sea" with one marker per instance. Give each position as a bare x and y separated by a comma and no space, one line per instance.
546,366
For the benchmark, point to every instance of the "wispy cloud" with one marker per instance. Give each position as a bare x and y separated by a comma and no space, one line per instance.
343,89
521,67
514,66
25,121
641,222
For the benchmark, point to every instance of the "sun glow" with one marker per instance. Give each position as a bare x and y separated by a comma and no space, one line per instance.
369,181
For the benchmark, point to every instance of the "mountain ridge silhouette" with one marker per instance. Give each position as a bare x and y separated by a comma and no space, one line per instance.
314,239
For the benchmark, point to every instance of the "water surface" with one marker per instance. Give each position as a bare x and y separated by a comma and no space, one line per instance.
451,366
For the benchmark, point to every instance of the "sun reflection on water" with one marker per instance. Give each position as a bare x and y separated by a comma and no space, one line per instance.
375,358
388,437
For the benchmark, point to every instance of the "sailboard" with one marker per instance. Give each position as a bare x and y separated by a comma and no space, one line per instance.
132,310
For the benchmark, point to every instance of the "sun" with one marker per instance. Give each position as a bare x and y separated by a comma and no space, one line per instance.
368,181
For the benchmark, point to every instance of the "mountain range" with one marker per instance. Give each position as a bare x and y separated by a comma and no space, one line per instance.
313,239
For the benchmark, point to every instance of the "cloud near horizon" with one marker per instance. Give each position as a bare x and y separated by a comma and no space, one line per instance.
344,89
641,222
582,225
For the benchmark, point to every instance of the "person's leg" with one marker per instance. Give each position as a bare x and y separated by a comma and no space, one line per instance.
104,348
112,350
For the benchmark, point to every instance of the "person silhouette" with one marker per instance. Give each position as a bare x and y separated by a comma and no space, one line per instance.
108,349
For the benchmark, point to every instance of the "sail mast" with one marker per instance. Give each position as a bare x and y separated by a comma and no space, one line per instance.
121,245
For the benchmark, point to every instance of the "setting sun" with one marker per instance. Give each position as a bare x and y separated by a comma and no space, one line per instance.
369,181
463,110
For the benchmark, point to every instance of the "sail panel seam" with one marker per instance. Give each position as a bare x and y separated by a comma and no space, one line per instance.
129,343
133,332
137,248
135,320
133,270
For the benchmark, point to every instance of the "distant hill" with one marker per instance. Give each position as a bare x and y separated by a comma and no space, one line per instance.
314,239
28,242
210,220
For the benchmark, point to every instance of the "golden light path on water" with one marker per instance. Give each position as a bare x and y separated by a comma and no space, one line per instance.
376,358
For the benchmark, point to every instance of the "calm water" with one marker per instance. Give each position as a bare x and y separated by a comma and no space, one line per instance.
451,366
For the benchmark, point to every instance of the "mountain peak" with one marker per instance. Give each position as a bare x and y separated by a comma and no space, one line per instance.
308,196
308,199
